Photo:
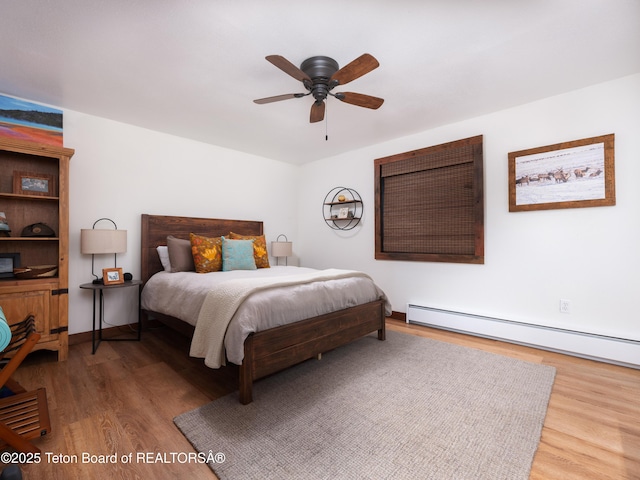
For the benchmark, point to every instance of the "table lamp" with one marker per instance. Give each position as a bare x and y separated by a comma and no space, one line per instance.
281,249
96,241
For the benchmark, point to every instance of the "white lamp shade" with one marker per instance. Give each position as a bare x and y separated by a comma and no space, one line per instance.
96,241
281,249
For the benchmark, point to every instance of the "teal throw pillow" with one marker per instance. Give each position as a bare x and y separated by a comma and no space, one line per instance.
237,255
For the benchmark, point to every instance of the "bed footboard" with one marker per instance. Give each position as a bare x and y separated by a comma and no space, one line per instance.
275,349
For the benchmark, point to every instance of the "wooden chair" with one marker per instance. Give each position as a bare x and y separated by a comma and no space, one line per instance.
23,415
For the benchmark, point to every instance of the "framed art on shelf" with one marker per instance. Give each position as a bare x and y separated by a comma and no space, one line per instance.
572,174
343,213
112,276
8,262
26,183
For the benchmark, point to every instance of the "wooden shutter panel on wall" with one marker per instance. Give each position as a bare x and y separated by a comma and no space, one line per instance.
429,204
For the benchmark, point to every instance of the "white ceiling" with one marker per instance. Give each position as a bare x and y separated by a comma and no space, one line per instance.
192,67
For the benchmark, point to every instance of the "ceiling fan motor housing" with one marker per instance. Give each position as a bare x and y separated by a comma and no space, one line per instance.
319,69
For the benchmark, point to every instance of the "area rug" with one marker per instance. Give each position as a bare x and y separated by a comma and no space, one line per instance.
405,408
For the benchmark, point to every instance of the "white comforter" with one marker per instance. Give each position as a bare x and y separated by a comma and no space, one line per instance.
182,295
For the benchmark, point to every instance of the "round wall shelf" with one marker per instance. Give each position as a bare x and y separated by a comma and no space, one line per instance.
342,208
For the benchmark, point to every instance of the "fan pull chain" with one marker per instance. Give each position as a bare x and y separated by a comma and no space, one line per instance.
326,122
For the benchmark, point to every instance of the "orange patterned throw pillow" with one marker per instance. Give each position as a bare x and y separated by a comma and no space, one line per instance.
207,253
260,253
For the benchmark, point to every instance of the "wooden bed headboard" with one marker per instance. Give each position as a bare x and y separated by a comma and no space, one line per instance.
156,228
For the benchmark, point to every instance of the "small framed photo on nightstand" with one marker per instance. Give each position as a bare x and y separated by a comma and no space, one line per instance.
112,276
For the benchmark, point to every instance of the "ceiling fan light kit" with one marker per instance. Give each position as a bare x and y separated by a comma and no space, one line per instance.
320,75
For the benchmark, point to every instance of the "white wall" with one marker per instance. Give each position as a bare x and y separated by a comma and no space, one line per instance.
120,171
532,259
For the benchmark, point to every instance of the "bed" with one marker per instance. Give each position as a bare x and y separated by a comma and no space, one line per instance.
273,349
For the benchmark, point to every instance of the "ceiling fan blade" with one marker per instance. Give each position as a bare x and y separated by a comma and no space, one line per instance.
360,66
360,100
317,112
278,98
287,67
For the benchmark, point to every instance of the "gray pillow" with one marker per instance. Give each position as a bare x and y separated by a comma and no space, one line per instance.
180,255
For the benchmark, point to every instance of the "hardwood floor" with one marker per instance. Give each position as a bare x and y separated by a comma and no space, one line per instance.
123,399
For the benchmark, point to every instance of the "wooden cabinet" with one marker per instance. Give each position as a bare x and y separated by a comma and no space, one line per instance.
34,188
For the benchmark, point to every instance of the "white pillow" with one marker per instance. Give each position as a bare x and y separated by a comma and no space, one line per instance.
163,253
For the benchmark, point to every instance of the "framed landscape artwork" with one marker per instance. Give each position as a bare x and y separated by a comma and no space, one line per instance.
572,174
22,120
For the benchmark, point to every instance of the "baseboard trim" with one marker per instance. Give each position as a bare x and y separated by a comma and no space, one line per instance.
398,316
111,332
77,338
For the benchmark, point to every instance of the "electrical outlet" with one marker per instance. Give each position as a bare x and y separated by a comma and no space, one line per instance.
565,306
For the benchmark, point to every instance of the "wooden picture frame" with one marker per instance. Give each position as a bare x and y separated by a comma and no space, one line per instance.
112,276
573,174
343,213
28,183
9,262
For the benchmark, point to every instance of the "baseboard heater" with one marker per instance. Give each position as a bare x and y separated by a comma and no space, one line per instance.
602,348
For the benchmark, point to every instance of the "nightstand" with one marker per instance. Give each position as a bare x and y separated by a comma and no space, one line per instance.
99,289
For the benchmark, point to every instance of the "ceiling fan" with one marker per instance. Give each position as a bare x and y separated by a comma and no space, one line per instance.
320,75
